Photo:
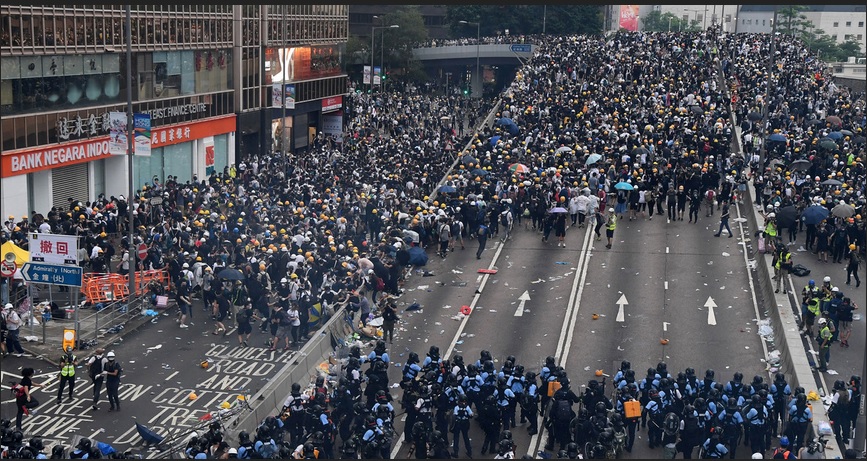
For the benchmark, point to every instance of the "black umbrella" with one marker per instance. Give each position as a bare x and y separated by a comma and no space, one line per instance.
640,150
859,139
815,122
831,182
846,132
755,116
230,273
800,165
787,217
827,144
696,109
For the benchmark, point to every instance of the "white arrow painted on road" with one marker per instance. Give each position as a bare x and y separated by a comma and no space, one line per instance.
523,298
621,302
665,326
711,318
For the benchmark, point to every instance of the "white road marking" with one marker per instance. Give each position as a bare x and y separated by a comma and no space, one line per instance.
523,300
749,274
171,376
709,304
665,326
666,284
620,303
666,250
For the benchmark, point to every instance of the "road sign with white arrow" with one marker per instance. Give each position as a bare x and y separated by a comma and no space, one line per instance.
523,300
52,274
711,318
621,302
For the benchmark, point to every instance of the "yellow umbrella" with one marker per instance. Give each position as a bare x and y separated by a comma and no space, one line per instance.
21,255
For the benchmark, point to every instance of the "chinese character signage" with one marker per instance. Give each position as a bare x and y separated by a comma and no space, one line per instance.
117,143
366,79
629,17
208,142
142,135
377,75
279,97
53,249
289,96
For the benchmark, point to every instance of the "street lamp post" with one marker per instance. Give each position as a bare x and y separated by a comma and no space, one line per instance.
372,35
478,43
283,146
129,139
763,152
669,24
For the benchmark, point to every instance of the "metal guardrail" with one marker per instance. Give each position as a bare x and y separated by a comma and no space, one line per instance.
327,343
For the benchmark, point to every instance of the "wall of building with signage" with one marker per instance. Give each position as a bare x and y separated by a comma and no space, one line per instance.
29,176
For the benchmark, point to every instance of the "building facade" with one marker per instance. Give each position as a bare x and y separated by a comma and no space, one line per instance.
201,72
841,22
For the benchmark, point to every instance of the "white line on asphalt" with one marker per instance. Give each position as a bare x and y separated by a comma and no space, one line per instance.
666,284
171,376
665,326
750,275
582,268
523,300
399,443
562,351
709,304
666,250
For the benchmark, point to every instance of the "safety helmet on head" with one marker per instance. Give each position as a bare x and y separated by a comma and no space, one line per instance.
827,279
823,321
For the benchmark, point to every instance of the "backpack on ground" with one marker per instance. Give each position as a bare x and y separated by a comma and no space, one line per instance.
671,424
800,270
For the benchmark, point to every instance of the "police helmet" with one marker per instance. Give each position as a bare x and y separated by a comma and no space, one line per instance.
83,444
413,357
36,444
839,385
709,374
662,368
243,437
625,365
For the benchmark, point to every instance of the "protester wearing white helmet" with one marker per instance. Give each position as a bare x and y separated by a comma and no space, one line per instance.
13,327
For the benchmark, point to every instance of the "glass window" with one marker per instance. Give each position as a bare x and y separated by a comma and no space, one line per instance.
221,152
836,24
178,160
848,23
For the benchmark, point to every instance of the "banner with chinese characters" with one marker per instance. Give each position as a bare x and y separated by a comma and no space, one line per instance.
53,248
208,142
377,75
366,76
277,95
117,142
629,17
289,96
142,135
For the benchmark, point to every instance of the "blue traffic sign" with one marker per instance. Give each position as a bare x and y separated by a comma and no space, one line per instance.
521,48
52,274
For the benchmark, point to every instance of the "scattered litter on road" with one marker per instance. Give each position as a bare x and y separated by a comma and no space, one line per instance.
832,372
158,346
725,254
562,263
710,263
722,287
460,342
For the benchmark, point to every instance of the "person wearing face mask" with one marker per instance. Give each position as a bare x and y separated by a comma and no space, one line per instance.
96,365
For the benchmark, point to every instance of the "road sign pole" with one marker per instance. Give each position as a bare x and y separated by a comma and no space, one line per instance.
75,315
30,299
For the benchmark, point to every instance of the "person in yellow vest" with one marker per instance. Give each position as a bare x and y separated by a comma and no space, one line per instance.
610,225
68,362
782,266
824,341
809,307
771,232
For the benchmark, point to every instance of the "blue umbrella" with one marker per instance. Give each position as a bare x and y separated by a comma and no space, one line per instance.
494,140
510,124
814,214
593,158
835,135
623,186
480,172
446,189
778,137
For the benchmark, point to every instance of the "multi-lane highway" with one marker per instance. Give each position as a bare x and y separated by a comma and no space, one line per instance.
588,306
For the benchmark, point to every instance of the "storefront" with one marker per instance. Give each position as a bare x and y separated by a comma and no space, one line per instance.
42,177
